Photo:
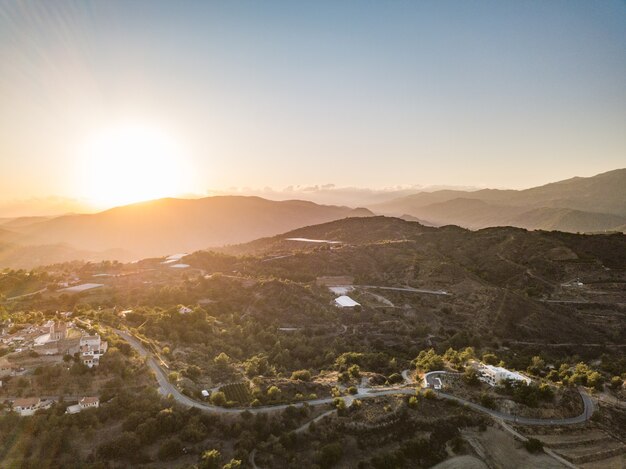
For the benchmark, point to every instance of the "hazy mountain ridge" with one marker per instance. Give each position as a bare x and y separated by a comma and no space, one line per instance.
596,203
173,225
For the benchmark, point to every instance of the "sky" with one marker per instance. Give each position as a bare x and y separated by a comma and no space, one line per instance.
114,101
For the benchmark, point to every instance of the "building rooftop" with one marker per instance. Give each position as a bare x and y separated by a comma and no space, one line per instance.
89,400
83,287
26,402
346,302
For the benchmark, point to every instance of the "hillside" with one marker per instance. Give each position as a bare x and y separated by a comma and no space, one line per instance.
590,204
176,225
354,231
502,282
16,256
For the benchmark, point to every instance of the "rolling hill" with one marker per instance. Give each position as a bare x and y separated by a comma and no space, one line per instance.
165,226
501,282
590,204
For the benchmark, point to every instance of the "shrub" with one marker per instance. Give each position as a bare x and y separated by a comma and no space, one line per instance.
395,378
616,382
210,459
354,371
487,401
533,445
429,361
233,464
218,398
330,454
273,393
301,375
470,376
171,449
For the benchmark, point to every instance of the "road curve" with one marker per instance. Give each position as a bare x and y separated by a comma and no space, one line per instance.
166,389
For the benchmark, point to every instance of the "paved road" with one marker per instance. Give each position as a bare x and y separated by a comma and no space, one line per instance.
166,388
584,416
566,344
26,295
306,426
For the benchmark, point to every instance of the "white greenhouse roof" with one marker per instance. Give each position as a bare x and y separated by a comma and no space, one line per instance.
345,301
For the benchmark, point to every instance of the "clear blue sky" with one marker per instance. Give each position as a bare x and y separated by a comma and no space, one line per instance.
260,93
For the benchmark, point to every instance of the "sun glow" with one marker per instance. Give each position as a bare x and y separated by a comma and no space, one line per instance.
130,163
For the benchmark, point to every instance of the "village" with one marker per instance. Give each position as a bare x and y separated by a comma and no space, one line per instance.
29,348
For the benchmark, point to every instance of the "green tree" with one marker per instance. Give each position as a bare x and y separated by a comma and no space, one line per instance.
193,372
428,360
222,361
536,365
330,454
616,382
210,459
233,464
595,380
301,375
354,371
273,393
470,376
218,398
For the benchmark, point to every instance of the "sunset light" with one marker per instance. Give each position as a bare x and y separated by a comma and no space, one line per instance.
129,163
312,235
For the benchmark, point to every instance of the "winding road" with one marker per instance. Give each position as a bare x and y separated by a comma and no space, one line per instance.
168,389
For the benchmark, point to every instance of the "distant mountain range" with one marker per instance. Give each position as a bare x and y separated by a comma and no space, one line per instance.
593,204
157,228
166,226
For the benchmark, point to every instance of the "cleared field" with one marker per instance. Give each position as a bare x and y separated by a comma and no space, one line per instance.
237,392
567,440
499,449
616,462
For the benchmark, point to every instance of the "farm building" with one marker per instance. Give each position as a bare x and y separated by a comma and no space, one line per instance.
345,301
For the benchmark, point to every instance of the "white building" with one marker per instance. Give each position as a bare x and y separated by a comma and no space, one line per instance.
26,406
344,301
495,375
92,347
84,403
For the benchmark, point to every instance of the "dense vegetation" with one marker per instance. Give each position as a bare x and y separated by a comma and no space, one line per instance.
259,331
